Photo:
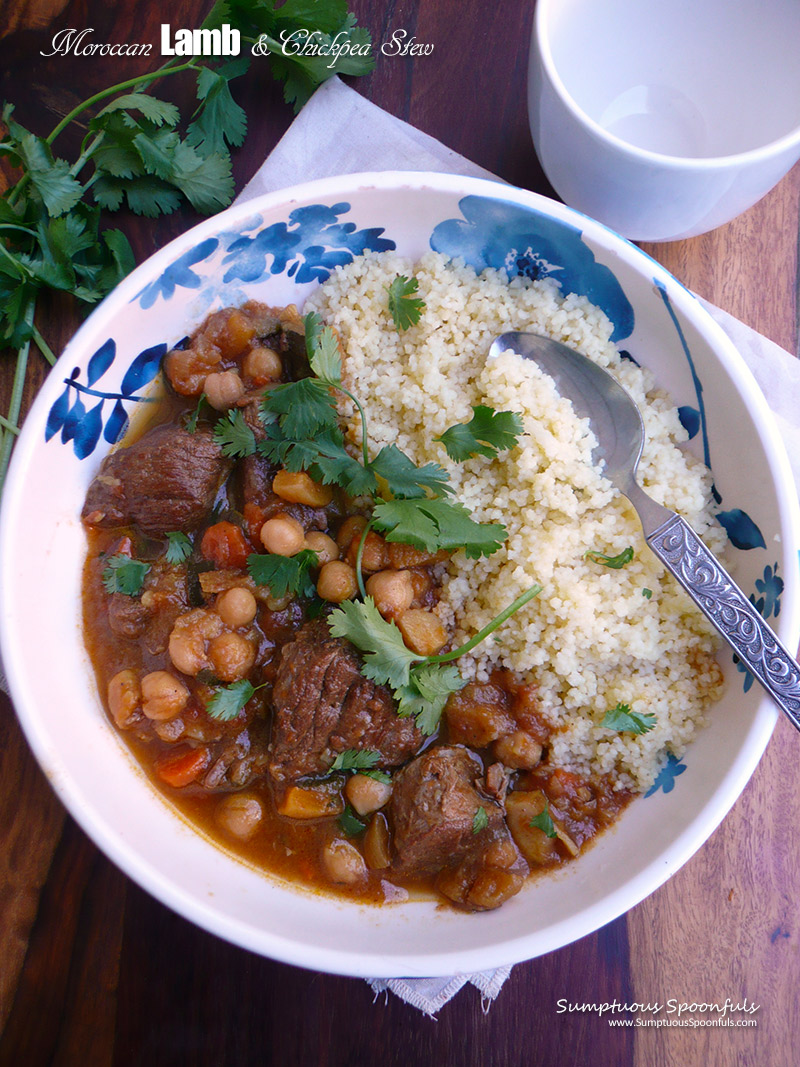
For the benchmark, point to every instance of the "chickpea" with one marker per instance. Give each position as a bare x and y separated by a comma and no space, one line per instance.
223,389
518,750
163,696
343,862
187,642
350,531
240,815
392,591
236,607
422,631
124,697
325,546
262,365
300,488
282,535
366,794
187,652
374,556
337,582
232,656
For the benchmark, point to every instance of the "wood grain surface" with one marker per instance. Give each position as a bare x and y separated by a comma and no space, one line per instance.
95,972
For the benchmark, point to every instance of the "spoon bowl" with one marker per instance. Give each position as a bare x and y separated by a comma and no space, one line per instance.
617,425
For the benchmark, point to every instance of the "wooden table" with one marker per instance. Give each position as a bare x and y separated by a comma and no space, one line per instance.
95,972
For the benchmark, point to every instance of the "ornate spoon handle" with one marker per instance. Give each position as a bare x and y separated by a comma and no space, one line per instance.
716,594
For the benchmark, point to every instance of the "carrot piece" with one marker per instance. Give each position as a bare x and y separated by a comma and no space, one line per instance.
254,519
183,768
225,545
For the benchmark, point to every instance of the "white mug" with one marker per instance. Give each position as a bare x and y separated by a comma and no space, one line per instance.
664,121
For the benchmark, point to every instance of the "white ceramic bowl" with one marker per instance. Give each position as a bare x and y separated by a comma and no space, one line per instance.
276,249
665,122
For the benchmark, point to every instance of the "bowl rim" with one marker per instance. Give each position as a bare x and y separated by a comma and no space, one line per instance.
518,948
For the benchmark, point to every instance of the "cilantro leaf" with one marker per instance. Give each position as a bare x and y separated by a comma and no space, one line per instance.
304,409
122,574
157,111
179,547
487,433
284,574
350,822
234,436
431,524
194,418
324,457
647,593
387,659
301,74
622,719
325,358
614,562
226,703
427,693
404,307
50,177
404,478
205,181
220,121
480,820
355,759
543,821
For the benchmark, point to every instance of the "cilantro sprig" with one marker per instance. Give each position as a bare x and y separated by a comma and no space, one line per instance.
421,684
179,547
140,153
122,574
404,307
487,433
614,562
227,701
234,437
362,761
284,574
622,719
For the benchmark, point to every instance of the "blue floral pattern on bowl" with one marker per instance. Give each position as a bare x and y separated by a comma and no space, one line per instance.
84,427
506,236
665,780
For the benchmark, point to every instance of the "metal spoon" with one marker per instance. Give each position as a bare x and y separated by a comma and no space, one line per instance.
617,425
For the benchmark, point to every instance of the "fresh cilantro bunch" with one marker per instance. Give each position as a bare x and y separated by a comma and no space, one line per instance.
139,152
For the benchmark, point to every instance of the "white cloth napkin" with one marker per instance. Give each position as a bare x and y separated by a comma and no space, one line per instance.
339,132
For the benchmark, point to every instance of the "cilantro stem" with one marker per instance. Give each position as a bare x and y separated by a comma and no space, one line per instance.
142,79
364,451
43,346
15,403
86,154
468,646
9,427
359,576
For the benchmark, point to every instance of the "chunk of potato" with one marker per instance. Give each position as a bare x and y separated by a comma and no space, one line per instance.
307,802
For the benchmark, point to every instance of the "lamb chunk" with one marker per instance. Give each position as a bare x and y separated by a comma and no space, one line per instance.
433,808
433,811
167,480
127,616
323,705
